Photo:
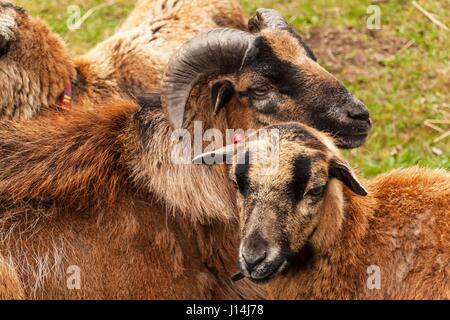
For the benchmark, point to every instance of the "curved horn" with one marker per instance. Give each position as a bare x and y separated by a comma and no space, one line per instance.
214,52
267,18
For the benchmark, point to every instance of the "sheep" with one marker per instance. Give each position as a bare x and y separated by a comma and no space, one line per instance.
269,65
99,190
316,232
121,67
85,203
126,65
34,65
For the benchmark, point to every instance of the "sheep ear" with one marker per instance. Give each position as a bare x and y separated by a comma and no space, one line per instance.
219,156
221,94
341,170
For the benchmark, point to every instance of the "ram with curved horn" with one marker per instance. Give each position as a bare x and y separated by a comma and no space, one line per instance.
258,78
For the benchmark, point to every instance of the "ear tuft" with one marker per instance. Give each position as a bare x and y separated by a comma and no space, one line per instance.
221,93
341,170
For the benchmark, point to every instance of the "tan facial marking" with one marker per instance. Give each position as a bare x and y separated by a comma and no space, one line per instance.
284,45
287,48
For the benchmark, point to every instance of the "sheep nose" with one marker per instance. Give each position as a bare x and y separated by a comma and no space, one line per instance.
358,111
254,251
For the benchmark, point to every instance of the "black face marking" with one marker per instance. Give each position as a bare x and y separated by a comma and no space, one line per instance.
301,175
302,259
242,179
291,81
279,72
326,105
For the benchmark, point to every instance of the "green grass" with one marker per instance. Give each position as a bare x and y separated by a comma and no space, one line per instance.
402,88
101,24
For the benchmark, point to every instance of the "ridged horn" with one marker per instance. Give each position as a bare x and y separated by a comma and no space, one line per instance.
219,51
267,18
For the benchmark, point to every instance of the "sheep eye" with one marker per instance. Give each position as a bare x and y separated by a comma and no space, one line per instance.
316,192
260,92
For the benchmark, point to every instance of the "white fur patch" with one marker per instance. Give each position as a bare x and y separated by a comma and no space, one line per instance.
8,26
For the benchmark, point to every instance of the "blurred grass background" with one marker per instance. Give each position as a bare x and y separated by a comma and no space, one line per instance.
401,72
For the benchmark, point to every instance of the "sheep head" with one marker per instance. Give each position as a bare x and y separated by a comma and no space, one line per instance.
295,206
260,78
34,65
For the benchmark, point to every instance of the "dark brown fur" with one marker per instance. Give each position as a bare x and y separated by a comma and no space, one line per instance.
75,191
401,227
82,172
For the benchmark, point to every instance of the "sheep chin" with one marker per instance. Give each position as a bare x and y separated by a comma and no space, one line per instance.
269,277
351,141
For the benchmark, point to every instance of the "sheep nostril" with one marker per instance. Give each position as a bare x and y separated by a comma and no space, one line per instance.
359,113
253,258
254,251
